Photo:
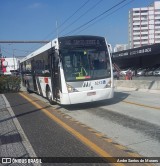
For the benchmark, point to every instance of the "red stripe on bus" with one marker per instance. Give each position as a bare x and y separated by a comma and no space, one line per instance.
46,80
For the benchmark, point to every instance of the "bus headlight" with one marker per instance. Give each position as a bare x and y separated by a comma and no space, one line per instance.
71,89
108,85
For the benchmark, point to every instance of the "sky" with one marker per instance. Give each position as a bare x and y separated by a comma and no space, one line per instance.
46,19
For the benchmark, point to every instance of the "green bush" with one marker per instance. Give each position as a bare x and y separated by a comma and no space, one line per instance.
9,83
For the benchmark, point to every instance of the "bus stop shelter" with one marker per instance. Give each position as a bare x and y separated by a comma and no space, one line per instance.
146,56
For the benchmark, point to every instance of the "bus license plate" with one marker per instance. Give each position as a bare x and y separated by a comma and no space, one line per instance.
91,93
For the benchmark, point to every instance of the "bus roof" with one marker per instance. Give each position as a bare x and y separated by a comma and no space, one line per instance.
42,49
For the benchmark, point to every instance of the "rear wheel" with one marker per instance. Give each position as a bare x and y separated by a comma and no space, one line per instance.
49,96
27,87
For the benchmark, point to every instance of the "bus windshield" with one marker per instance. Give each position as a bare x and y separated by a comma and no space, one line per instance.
88,64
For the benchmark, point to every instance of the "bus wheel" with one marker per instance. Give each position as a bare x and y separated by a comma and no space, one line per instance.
27,87
49,96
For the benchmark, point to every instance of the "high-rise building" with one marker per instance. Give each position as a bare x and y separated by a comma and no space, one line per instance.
144,25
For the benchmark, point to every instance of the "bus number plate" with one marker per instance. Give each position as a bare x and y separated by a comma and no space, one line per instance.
91,93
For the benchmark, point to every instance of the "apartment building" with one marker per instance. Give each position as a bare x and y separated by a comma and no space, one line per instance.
144,25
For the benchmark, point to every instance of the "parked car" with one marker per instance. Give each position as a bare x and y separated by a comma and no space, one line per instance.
149,72
157,72
123,71
141,71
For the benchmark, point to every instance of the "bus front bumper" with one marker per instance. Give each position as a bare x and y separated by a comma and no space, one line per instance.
87,96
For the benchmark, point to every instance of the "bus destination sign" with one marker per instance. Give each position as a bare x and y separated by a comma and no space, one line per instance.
82,43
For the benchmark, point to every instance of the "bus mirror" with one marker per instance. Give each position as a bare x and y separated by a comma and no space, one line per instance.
60,57
56,56
110,48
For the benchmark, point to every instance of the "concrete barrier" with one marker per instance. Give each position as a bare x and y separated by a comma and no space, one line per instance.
139,85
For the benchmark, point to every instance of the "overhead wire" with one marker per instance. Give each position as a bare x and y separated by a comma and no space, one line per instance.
7,52
16,49
85,13
96,17
109,15
74,13
66,20
106,16
91,8
11,50
90,21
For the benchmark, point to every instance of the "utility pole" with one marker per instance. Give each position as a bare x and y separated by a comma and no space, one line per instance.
57,27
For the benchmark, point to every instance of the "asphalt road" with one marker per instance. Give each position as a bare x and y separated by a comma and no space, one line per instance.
127,125
47,138
131,119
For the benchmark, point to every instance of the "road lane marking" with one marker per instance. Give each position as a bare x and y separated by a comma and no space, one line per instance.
142,105
82,138
99,134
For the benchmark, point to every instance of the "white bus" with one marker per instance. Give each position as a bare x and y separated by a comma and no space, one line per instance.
70,70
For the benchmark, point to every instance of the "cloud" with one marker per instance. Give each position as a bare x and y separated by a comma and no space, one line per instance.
35,5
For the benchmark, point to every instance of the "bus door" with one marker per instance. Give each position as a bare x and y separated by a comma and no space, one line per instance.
55,75
34,75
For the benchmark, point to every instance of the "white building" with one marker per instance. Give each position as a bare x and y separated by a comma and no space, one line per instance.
144,25
9,65
120,47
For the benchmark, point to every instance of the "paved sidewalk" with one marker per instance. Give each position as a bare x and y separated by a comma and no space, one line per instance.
13,142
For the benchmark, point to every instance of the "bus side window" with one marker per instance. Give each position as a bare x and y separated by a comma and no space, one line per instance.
46,66
33,66
28,66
